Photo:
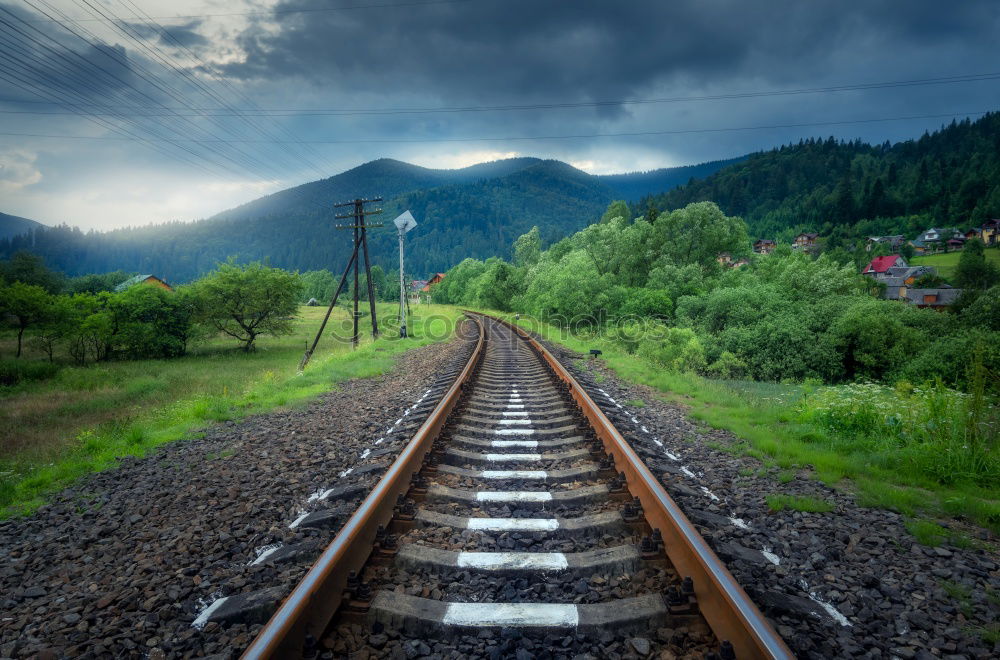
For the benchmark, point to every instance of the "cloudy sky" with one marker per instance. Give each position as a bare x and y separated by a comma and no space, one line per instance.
126,112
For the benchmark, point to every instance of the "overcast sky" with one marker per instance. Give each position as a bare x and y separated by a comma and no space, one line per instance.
297,90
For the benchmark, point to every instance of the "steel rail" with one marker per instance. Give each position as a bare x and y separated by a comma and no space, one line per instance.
315,599
722,601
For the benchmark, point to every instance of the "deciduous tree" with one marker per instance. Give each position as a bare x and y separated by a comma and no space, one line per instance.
246,301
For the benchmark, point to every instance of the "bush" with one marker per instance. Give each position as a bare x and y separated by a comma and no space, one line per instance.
15,372
680,349
727,367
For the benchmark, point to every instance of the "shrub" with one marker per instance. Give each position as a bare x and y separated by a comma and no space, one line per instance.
727,367
15,372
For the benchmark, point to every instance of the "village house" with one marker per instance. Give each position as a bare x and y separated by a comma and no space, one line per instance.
764,246
989,232
416,288
939,297
894,242
143,279
878,266
431,282
804,241
971,233
897,279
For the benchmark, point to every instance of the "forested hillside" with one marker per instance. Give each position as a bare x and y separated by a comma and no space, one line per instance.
474,211
845,190
12,225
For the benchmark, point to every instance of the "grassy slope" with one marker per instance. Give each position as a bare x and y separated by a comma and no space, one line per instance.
761,415
83,419
945,263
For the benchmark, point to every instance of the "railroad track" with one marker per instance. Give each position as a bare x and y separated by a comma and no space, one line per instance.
517,518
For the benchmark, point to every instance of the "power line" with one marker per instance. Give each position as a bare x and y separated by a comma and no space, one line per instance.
218,76
347,112
551,137
274,12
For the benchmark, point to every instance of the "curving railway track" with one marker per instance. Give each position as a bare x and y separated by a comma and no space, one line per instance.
517,519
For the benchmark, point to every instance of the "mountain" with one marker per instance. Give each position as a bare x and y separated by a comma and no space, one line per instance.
847,190
637,185
475,211
12,225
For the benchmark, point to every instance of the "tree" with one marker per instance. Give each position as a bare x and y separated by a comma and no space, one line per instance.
616,209
28,268
247,301
27,304
59,321
151,322
698,233
527,249
985,311
973,271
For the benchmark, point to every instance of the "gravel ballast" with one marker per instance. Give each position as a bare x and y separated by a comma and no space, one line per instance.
123,563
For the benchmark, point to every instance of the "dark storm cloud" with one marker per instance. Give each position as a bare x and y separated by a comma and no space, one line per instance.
511,50
48,61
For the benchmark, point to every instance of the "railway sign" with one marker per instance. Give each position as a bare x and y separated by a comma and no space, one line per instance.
405,222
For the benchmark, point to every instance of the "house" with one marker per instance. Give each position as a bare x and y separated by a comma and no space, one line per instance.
764,246
878,266
894,242
940,235
898,280
431,282
724,259
416,287
971,233
989,232
956,243
805,241
939,297
739,263
143,279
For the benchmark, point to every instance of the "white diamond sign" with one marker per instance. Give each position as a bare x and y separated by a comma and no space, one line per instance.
405,222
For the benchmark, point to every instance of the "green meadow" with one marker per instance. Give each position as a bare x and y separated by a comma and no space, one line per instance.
945,263
65,421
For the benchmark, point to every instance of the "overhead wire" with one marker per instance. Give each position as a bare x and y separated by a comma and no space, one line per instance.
253,162
64,94
280,12
953,115
236,156
308,153
68,59
944,80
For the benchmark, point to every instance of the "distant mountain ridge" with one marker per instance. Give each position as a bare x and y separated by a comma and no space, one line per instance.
475,211
14,225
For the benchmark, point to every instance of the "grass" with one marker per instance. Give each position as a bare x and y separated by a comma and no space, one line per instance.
945,263
927,532
636,403
84,418
804,503
767,419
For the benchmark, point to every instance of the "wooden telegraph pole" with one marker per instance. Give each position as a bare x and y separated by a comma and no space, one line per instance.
361,238
360,228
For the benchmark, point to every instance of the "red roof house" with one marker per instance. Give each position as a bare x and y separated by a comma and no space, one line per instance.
879,265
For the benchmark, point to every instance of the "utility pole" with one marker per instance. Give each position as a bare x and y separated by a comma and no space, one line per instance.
404,223
360,243
361,238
